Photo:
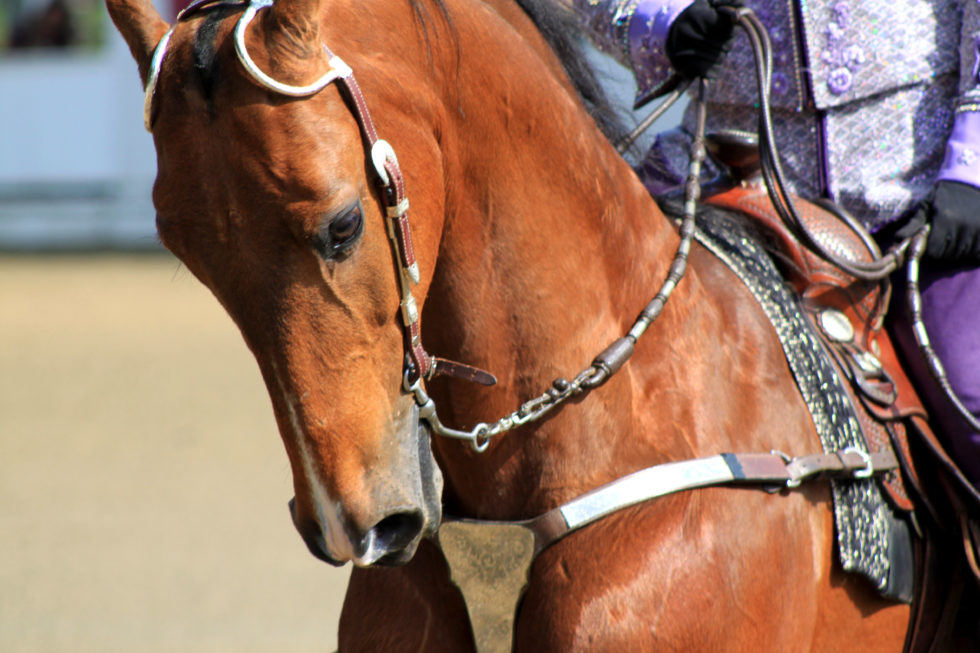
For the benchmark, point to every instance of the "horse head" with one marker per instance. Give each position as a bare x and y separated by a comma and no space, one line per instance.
271,202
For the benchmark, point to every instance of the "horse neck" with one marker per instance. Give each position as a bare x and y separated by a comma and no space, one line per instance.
550,248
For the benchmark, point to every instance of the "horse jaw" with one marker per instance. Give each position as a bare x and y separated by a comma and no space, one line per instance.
141,27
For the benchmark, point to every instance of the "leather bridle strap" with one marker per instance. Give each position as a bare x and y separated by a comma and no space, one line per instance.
774,469
390,180
392,184
419,364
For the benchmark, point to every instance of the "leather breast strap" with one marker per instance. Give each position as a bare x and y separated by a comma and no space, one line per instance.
490,561
774,469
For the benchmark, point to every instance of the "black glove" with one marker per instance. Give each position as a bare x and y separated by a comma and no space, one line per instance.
953,211
700,38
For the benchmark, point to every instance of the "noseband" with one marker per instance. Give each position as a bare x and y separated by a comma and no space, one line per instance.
419,365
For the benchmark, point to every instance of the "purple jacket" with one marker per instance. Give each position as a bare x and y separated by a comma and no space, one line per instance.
886,61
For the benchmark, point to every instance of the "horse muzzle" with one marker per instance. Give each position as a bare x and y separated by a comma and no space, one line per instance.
406,507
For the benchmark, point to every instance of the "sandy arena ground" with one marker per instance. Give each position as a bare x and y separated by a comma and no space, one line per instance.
143,485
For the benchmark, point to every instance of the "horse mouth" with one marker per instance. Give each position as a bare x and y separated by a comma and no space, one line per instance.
313,539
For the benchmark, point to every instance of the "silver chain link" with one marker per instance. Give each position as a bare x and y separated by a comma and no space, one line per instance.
601,369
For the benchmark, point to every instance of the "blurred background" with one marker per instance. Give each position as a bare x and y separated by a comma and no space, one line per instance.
143,485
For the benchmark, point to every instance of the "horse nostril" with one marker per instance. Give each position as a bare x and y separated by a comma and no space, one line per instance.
397,531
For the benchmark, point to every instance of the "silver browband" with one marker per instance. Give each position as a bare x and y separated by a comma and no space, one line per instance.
337,66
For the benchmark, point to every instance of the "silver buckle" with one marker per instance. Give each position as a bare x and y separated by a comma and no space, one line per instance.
381,151
868,468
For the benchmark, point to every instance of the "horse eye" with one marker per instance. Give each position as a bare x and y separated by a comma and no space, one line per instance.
346,226
339,235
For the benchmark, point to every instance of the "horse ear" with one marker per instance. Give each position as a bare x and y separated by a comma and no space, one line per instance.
298,22
141,26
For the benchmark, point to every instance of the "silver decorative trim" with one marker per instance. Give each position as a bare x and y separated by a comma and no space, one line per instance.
337,69
151,81
836,325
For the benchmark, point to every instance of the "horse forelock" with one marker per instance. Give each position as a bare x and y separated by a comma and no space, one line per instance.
206,66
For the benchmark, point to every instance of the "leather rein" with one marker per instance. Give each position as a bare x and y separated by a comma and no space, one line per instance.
908,252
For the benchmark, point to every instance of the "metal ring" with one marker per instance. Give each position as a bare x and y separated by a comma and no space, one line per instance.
868,468
337,69
481,438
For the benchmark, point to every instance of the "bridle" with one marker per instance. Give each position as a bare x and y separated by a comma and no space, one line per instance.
381,154
419,364
773,469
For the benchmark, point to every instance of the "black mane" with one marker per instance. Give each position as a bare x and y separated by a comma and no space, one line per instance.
565,35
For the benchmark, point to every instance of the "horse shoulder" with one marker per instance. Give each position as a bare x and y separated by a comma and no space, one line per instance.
697,571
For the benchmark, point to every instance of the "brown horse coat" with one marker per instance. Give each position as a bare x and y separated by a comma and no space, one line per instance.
538,247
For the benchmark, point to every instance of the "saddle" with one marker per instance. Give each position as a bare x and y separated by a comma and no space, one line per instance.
849,316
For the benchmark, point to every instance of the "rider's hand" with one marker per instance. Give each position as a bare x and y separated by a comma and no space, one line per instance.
953,211
700,38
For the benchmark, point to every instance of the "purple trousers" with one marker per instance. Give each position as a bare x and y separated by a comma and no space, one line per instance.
951,314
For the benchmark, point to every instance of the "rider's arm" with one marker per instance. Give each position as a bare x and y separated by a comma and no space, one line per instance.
656,38
962,161
634,32
953,207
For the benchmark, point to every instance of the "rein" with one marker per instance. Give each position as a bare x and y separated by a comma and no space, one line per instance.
420,365
908,252
774,470
772,171
914,299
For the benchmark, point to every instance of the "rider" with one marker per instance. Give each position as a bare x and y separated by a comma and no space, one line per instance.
872,107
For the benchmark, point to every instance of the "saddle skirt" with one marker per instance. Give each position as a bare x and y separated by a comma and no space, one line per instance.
848,315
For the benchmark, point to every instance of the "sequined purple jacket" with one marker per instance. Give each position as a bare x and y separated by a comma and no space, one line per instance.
884,94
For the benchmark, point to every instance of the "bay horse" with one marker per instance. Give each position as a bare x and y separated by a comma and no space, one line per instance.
536,246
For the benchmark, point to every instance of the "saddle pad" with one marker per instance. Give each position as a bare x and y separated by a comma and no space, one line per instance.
833,299
871,541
